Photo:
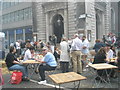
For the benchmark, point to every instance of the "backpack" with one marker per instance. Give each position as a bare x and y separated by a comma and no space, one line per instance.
1,78
16,77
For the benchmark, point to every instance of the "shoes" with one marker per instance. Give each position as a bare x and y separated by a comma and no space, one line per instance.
36,71
42,82
25,79
113,76
84,70
97,78
78,73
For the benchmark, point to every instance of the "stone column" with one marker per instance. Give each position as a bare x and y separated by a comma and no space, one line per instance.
24,35
8,39
51,28
15,35
47,27
65,23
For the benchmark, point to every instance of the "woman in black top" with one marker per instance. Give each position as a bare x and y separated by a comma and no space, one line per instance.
100,57
14,64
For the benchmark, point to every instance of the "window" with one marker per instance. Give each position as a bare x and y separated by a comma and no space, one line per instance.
8,18
22,14
16,2
12,3
30,12
16,16
0,19
12,16
26,13
3,19
4,5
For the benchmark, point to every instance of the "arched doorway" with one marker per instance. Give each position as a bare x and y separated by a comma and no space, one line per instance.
58,27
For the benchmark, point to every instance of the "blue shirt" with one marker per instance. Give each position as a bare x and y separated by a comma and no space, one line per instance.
50,59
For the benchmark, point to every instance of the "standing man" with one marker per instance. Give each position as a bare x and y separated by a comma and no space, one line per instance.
64,56
18,48
85,47
85,50
76,48
54,38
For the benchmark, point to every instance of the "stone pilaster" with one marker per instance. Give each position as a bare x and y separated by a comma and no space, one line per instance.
107,18
15,35
40,15
65,23
71,19
47,27
23,34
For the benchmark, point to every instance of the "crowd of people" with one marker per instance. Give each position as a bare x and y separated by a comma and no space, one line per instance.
74,51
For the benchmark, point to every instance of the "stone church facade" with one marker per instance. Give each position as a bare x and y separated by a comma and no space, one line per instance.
64,19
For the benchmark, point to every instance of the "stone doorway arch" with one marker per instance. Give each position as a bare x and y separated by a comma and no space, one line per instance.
58,26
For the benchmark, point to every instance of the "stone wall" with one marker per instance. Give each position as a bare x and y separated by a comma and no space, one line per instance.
40,15
71,19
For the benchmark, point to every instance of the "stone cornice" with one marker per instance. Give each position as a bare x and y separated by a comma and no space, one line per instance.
52,6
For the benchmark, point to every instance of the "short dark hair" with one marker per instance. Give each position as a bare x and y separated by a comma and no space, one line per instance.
84,36
118,54
31,48
108,45
11,48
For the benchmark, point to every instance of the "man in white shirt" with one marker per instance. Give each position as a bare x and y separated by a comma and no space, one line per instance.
28,53
85,50
76,48
18,51
85,47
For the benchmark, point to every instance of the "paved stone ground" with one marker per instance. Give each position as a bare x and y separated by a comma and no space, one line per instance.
84,84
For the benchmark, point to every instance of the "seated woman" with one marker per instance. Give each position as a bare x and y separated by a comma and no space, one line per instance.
100,57
14,64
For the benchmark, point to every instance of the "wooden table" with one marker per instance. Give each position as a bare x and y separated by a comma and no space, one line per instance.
103,66
112,59
33,65
30,62
62,78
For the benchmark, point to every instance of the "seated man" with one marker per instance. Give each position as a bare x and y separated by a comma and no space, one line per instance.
14,64
29,53
48,63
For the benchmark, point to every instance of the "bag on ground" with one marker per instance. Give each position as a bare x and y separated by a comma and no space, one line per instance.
16,78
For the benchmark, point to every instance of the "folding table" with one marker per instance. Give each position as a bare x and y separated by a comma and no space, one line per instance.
32,62
62,78
102,66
